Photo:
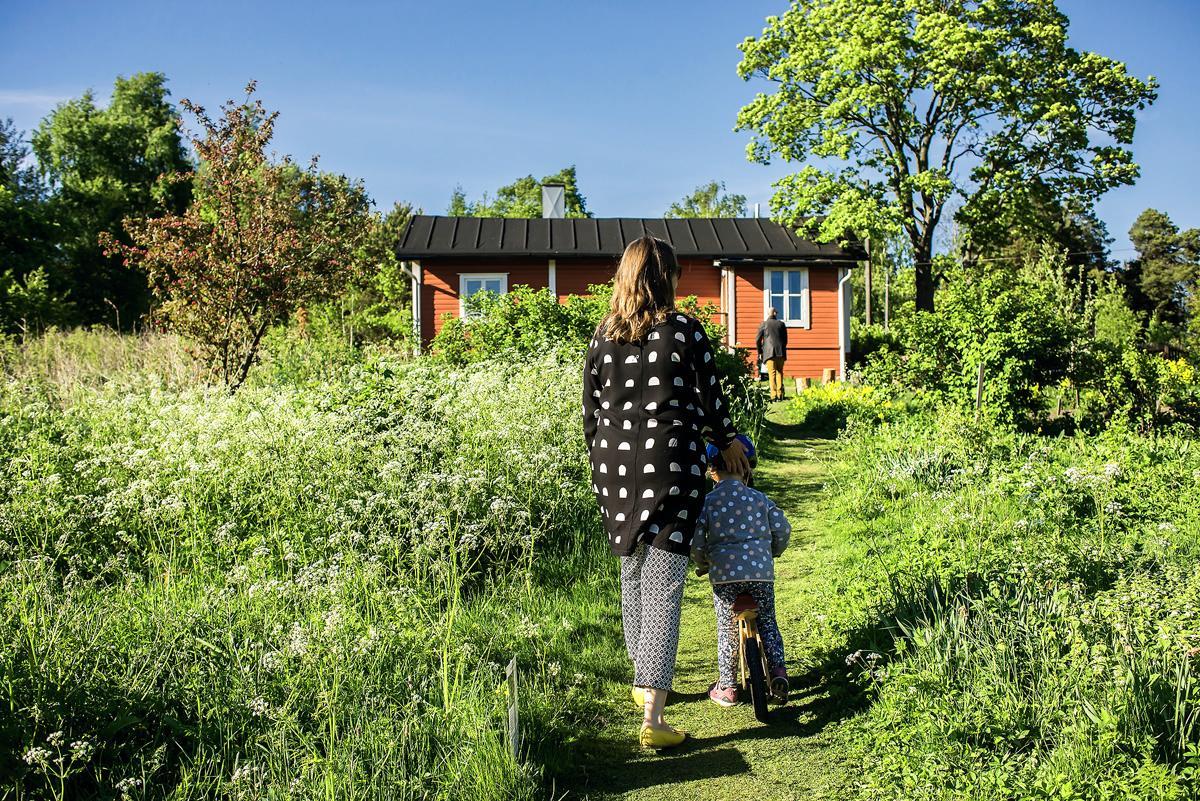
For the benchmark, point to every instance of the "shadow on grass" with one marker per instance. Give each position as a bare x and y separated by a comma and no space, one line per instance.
781,427
628,771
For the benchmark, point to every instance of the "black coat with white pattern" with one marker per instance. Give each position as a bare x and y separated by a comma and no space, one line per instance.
648,408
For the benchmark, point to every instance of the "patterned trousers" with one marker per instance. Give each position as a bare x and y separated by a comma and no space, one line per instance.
727,629
651,595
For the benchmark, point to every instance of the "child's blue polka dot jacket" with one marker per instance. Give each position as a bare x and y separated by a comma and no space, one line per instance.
739,533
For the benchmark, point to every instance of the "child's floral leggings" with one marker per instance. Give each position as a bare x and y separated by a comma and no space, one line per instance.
727,630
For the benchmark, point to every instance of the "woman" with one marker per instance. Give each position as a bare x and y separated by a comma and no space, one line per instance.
651,398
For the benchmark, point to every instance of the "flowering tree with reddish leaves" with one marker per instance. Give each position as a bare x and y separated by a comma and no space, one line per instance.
260,239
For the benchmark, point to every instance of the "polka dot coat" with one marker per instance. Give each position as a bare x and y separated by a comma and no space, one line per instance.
648,409
739,534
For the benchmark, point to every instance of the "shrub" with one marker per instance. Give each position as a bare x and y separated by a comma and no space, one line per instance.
829,407
28,305
522,321
867,340
1143,390
1019,326
525,321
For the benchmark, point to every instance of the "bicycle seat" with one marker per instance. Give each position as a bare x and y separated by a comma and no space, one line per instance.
744,603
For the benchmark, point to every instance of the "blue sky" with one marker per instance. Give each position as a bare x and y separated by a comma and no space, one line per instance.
415,98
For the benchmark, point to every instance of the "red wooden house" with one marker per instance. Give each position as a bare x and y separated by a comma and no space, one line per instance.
744,266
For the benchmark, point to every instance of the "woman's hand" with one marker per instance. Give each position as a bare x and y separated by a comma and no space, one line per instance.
735,458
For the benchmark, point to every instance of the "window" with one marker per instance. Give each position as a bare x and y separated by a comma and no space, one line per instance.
787,291
470,284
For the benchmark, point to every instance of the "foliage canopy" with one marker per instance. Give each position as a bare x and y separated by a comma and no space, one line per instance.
898,106
106,164
521,198
261,239
709,200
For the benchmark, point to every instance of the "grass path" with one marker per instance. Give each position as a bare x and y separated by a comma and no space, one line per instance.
731,755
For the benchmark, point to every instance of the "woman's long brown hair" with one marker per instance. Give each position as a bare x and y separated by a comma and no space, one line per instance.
643,292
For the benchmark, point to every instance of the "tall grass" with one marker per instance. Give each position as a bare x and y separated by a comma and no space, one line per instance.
1035,606
304,590
81,359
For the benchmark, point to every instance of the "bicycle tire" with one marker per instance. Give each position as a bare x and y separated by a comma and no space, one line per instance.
758,679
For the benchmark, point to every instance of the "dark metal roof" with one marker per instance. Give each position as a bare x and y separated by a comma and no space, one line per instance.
742,238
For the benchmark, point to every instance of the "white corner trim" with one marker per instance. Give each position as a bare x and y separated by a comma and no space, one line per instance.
462,287
729,301
843,319
552,277
417,301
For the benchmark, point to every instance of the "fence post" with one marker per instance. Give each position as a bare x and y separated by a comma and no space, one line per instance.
514,722
979,391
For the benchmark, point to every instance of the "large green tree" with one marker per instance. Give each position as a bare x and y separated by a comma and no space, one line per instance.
897,106
1069,227
105,164
709,200
1165,277
521,198
26,230
27,241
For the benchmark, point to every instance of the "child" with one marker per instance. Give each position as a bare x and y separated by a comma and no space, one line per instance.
738,534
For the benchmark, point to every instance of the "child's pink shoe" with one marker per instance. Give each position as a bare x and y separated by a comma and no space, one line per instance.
726,697
779,684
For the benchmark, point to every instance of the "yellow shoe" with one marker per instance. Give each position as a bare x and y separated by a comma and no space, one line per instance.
662,738
639,697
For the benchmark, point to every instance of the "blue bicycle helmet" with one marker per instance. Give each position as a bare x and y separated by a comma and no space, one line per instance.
714,455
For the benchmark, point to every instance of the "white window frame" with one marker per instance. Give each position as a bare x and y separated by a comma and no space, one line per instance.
462,287
805,320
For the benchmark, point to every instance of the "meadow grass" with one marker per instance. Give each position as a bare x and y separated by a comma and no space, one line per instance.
1028,615
307,589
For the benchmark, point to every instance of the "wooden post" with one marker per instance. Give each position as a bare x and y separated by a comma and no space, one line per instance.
828,375
867,278
887,296
979,391
514,721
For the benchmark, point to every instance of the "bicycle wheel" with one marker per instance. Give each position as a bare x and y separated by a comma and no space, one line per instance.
758,679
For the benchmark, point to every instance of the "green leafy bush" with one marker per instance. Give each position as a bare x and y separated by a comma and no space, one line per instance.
525,321
1022,327
29,304
867,340
1143,390
521,321
829,407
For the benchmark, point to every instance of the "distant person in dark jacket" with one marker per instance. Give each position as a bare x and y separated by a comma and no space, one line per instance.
772,349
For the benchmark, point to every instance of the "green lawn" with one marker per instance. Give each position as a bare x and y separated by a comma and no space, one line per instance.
731,754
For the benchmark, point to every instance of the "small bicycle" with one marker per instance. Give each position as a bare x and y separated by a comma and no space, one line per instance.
752,657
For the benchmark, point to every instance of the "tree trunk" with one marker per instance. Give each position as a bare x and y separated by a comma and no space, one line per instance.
923,270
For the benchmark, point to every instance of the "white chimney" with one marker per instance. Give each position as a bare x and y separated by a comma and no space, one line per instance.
554,201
